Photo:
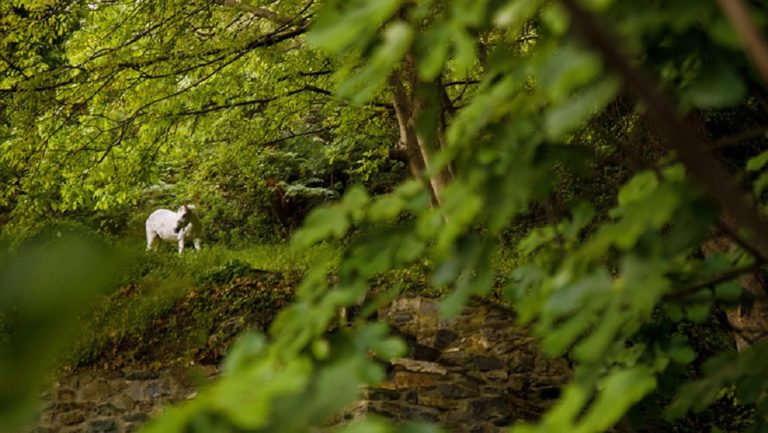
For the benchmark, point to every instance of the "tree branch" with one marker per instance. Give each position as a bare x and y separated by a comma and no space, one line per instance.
756,132
300,134
255,10
211,108
315,73
757,50
733,234
676,134
713,281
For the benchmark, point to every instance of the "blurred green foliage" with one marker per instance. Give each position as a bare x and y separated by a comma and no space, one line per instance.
536,177
44,289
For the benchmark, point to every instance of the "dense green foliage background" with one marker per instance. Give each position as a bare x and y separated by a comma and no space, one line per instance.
610,154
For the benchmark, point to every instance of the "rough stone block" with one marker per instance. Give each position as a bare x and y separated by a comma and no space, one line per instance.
72,417
142,374
66,394
423,352
486,363
419,366
453,358
157,389
477,343
106,409
408,380
135,391
405,411
137,417
496,376
102,426
437,400
490,407
521,362
97,390
456,391
123,402
517,382
382,394
444,338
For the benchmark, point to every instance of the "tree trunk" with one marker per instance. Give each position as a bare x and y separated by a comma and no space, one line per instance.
421,110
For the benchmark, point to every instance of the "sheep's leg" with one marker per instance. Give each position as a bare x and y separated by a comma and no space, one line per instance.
181,244
150,239
197,244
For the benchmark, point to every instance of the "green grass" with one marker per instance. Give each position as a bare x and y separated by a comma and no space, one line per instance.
164,299
278,257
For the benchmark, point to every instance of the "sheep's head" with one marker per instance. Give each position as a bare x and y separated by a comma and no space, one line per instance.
185,217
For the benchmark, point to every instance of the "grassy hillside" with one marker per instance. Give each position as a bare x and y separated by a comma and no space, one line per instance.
171,310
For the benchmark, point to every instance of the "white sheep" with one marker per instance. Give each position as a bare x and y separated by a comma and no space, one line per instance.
174,226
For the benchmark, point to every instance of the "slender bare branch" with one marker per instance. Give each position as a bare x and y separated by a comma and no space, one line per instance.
757,50
296,135
750,134
255,10
712,281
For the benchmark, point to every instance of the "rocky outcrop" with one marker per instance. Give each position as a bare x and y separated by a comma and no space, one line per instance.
473,373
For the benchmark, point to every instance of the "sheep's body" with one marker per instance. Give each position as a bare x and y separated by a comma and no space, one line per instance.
174,226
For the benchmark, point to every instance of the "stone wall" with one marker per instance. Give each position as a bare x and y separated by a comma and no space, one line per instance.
474,373
115,401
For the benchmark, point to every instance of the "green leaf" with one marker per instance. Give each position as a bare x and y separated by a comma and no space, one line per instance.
729,292
570,68
722,32
697,313
682,355
322,223
586,293
247,347
556,18
674,312
434,46
361,87
760,184
557,340
464,47
419,427
620,391
594,346
515,13
757,162
572,114
583,214
336,30
718,85
369,424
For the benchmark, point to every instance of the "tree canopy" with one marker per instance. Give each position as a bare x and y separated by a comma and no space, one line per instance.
614,150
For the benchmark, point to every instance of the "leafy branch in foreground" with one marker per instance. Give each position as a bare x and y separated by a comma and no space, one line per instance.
589,163
591,280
